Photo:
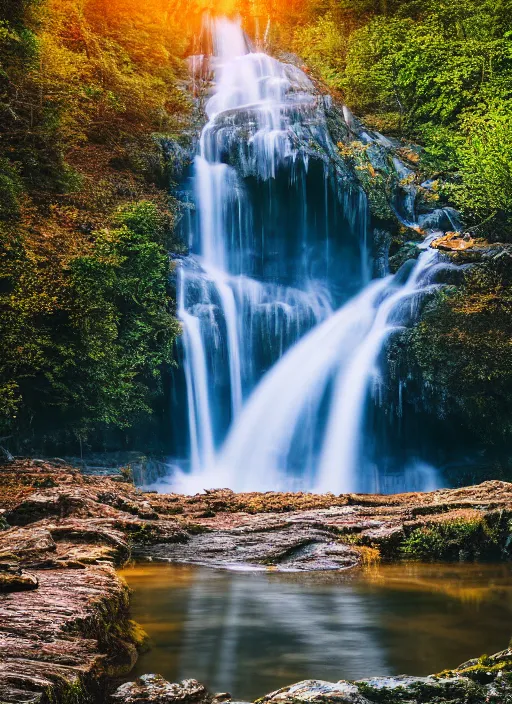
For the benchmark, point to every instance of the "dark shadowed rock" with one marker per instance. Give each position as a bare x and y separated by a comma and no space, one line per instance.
21,582
5,456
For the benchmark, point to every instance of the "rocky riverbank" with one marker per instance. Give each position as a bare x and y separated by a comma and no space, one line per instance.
484,681
65,630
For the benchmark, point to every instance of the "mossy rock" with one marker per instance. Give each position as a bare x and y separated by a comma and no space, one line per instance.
420,690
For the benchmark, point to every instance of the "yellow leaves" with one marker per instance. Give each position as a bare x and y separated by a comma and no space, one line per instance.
409,154
369,556
478,303
367,168
108,68
453,241
357,151
353,150
407,181
61,68
66,215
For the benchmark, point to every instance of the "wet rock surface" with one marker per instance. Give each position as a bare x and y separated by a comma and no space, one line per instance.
60,518
67,630
392,690
283,545
318,691
307,532
486,681
153,689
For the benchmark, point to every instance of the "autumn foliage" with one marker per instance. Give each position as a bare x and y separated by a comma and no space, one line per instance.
88,88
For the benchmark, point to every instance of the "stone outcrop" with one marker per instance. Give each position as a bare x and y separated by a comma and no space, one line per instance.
12,577
60,518
54,642
453,241
153,689
64,625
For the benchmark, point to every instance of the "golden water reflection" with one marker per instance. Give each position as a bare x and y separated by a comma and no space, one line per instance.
252,632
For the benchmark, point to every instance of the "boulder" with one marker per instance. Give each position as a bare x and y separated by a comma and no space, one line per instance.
154,689
30,545
453,242
12,579
317,691
443,219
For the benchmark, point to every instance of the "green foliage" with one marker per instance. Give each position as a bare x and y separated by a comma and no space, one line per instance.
86,307
436,72
147,221
11,189
421,71
373,63
456,539
88,339
485,157
322,46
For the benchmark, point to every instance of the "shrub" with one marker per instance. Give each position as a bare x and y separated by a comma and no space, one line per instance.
456,539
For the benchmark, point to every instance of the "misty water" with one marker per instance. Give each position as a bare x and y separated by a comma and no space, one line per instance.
249,633
284,304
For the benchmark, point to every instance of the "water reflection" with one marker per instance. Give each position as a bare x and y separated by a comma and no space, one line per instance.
251,633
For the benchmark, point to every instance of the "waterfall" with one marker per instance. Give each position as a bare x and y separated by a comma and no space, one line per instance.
282,326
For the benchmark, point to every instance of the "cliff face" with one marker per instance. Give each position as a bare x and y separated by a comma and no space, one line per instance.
452,368
455,365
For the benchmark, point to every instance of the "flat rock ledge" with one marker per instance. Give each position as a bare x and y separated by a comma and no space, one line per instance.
64,613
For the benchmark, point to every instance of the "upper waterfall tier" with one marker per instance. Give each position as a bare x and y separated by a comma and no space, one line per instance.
263,113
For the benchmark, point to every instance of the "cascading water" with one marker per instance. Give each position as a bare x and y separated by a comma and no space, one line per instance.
282,327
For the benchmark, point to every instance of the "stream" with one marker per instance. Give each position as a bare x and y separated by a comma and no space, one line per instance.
250,633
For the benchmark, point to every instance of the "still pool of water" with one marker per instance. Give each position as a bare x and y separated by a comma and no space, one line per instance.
249,633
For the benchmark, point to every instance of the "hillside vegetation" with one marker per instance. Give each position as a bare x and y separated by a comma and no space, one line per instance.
90,90
438,72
